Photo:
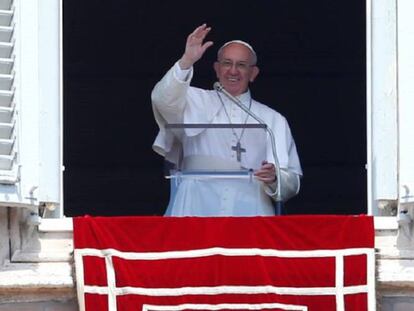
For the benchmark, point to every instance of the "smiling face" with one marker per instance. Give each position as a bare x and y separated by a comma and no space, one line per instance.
235,68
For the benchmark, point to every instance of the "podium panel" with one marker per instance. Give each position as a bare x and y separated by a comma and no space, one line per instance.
211,168
216,147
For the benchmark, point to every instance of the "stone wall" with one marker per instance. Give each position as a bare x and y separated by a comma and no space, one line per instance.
70,305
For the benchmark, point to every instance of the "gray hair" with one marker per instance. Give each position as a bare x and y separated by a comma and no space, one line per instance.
220,51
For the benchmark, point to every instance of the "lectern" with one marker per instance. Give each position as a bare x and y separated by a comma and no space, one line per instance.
211,168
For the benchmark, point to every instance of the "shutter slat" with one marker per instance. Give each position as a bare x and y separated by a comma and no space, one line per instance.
6,115
6,162
5,4
5,17
6,146
6,33
6,49
6,65
6,82
6,98
6,130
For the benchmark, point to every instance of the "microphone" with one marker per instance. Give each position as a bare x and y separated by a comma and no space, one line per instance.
219,88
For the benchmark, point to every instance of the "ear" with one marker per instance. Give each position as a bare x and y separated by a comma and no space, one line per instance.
254,73
216,68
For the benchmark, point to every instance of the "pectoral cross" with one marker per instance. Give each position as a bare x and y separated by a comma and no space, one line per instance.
238,148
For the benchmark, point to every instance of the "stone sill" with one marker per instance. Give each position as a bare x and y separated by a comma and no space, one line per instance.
385,223
56,225
66,224
50,275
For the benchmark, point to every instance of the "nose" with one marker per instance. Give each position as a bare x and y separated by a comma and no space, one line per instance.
234,69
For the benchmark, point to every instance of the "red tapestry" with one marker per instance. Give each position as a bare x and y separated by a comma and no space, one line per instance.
313,263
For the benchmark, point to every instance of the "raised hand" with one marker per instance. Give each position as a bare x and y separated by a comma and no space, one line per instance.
195,46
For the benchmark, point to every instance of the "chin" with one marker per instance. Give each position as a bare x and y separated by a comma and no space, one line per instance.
232,90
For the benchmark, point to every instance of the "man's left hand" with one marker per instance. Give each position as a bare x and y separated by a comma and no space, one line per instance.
267,173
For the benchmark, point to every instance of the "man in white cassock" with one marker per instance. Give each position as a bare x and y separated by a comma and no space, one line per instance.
176,102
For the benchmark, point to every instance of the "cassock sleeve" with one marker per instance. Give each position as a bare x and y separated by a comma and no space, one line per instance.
169,96
290,168
289,187
168,104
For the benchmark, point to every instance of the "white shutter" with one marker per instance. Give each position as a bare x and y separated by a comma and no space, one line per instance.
406,101
390,97
31,104
8,145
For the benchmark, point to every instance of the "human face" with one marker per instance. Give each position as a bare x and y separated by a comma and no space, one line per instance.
235,68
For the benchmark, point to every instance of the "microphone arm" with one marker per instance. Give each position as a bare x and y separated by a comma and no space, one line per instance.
218,87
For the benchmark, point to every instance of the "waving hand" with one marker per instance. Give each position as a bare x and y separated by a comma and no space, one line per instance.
195,46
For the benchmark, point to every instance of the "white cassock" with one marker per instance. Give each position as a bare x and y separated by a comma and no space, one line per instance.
175,101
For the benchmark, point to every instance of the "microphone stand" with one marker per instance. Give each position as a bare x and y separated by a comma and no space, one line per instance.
279,203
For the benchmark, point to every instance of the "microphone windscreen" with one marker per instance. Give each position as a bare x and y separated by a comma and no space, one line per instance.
217,86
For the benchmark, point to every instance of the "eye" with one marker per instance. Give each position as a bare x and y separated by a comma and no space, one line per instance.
242,66
226,63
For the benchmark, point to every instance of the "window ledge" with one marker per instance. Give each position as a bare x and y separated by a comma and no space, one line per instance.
36,275
395,274
56,225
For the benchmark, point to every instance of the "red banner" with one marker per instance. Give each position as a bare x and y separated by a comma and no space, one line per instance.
313,263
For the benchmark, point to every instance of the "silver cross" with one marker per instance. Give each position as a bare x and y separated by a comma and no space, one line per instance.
238,148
